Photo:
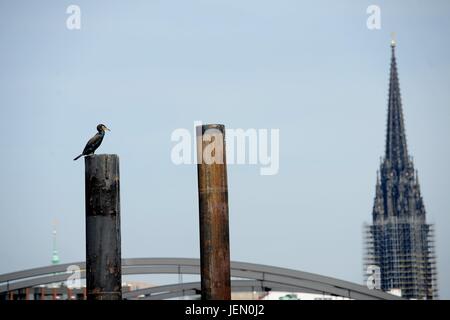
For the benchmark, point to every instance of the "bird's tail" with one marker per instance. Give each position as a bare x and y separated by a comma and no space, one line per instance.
78,157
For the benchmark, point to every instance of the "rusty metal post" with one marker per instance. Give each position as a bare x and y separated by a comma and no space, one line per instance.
103,256
213,208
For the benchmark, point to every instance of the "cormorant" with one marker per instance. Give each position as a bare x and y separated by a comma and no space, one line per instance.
94,142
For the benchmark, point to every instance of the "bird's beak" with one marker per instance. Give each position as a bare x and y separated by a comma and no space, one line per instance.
106,128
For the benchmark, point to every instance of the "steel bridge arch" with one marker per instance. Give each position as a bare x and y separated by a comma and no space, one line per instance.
253,277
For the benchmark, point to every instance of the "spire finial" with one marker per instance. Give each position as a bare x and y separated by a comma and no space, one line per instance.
393,39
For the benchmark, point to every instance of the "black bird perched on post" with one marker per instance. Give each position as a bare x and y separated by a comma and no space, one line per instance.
94,142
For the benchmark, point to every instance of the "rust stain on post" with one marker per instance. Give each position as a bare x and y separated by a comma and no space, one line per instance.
103,249
213,207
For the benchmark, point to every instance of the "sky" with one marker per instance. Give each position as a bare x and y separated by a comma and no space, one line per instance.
311,69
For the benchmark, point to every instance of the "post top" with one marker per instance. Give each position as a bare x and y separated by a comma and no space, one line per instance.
204,127
93,157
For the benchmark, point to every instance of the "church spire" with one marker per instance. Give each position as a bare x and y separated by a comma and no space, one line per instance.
396,149
400,241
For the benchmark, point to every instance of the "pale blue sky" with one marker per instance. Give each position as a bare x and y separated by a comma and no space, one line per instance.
145,68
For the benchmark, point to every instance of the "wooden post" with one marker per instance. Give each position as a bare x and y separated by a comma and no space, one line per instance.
103,252
213,209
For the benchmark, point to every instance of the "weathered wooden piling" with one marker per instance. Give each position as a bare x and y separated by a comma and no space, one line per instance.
103,252
213,209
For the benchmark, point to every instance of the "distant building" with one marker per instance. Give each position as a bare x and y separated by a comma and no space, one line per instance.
300,296
399,241
55,255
